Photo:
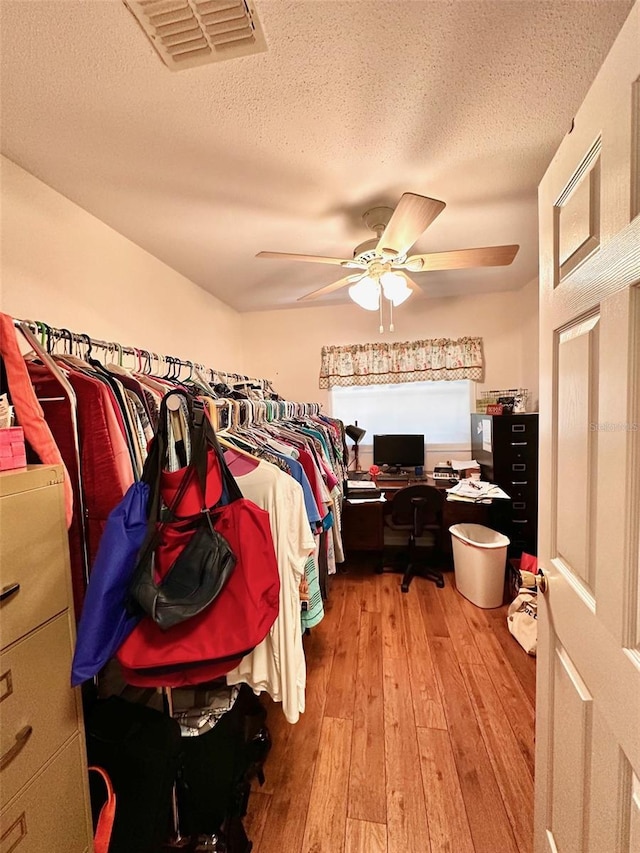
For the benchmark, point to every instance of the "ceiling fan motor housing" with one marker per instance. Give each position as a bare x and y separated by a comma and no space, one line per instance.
366,251
377,219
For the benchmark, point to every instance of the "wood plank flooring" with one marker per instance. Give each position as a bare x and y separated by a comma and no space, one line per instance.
418,732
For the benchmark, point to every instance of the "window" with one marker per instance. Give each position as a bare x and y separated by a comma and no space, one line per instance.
439,410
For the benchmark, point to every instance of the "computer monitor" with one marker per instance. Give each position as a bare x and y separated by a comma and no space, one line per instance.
398,451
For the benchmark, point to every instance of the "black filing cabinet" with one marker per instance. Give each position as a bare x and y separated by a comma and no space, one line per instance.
506,447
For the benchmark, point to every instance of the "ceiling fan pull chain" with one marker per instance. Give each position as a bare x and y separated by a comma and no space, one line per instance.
391,326
381,325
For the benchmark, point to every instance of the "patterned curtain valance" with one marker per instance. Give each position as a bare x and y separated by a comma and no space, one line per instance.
410,361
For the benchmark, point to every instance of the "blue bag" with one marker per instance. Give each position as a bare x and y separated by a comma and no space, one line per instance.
105,623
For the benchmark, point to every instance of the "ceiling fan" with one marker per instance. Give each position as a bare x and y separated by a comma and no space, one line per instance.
381,264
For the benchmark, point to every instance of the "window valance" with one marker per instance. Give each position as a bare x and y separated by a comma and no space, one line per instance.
409,361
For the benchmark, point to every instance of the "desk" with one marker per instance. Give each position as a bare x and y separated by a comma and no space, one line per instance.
363,520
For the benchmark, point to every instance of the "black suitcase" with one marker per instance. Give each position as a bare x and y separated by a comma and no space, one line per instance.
217,767
139,747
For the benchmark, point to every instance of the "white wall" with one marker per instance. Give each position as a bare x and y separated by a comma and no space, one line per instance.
529,336
285,345
63,266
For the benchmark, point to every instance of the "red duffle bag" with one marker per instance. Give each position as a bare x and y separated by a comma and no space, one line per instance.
212,642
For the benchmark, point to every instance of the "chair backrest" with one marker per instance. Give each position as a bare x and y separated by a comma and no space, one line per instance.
429,513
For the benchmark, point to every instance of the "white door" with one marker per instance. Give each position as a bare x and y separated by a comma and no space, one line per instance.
588,702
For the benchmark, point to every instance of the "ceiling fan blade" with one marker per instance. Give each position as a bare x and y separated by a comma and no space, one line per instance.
487,256
329,288
316,259
413,215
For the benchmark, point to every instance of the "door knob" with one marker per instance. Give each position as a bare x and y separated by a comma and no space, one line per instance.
541,581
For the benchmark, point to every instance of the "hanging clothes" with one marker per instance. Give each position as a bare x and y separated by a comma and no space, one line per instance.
277,665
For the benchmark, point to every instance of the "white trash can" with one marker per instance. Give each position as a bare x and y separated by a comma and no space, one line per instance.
479,561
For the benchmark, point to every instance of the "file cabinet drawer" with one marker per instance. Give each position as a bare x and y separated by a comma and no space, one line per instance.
520,429
520,490
34,560
50,813
523,527
37,705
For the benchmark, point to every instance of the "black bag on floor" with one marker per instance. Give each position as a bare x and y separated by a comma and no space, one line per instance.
217,767
139,747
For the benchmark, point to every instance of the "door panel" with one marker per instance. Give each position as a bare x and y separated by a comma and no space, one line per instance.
634,810
576,447
577,220
588,693
571,752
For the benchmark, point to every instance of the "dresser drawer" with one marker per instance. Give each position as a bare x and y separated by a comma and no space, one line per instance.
37,705
51,813
34,555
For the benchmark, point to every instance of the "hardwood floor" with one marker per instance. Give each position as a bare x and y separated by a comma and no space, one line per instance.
418,732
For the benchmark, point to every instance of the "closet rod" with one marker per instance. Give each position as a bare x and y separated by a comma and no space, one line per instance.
38,327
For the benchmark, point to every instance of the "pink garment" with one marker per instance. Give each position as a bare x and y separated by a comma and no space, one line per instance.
115,425
107,472
28,410
239,463
331,479
315,480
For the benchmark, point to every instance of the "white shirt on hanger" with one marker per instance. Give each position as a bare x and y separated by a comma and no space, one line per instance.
277,665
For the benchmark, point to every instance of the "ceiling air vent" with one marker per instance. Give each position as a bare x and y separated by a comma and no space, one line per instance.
186,33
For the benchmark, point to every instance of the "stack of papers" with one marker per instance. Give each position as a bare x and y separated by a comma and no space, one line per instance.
361,485
475,491
462,465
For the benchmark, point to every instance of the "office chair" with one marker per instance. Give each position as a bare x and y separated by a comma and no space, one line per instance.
416,509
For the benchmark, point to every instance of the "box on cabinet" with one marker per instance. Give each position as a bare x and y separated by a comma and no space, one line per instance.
13,453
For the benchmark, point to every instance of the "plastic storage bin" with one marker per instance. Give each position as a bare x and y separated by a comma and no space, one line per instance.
479,561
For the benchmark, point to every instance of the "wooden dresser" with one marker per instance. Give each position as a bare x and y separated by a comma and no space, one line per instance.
44,799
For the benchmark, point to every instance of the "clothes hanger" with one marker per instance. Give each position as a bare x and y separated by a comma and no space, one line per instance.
46,336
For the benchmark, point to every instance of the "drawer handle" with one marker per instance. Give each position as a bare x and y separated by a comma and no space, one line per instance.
520,520
21,741
9,590
519,482
10,838
518,444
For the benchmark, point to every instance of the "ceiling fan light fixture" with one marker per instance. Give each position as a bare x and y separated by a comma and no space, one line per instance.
414,264
395,287
366,293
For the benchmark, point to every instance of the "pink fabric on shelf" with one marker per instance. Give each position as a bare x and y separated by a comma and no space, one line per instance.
28,410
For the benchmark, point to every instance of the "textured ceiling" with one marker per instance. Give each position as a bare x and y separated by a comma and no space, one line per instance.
353,104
